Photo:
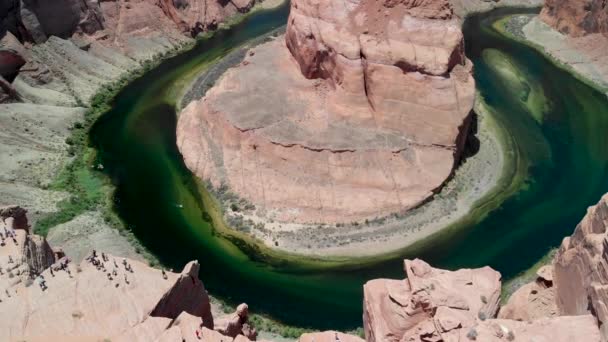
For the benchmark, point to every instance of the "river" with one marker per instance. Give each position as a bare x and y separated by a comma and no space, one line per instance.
557,124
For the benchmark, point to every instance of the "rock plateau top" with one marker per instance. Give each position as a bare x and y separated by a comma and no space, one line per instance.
360,110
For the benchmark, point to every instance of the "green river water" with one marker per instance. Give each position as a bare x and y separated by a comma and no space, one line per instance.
559,158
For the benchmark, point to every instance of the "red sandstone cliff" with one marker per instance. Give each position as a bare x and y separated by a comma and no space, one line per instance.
577,281
66,49
360,112
581,268
37,20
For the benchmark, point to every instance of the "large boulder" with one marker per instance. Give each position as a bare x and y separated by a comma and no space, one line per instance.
236,324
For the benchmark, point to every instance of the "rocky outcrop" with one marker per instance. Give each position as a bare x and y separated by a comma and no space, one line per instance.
103,297
438,305
576,17
364,114
187,295
581,268
534,300
236,324
431,304
30,254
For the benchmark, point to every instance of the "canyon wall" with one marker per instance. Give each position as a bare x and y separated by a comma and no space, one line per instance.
576,17
36,21
361,110
581,268
54,57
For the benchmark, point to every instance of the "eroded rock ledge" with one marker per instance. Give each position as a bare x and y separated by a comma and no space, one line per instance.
360,112
47,297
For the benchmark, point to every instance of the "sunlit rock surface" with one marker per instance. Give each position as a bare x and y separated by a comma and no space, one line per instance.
360,111
45,296
438,305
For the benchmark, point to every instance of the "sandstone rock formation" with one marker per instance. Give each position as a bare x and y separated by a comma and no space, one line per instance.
104,297
438,305
575,282
581,268
55,55
576,17
236,324
36,21
430,304
363,114
534,300
28,254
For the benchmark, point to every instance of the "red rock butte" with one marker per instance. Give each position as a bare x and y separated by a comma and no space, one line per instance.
361,111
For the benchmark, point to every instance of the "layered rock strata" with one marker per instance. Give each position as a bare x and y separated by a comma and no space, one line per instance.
576,17
103,297
581,268
54,56
36,21
438,305
360,112
575,283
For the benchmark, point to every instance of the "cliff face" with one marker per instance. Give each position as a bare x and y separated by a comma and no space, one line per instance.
576,17
35,21
581,268
36,38
575,284
55,55
362,113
